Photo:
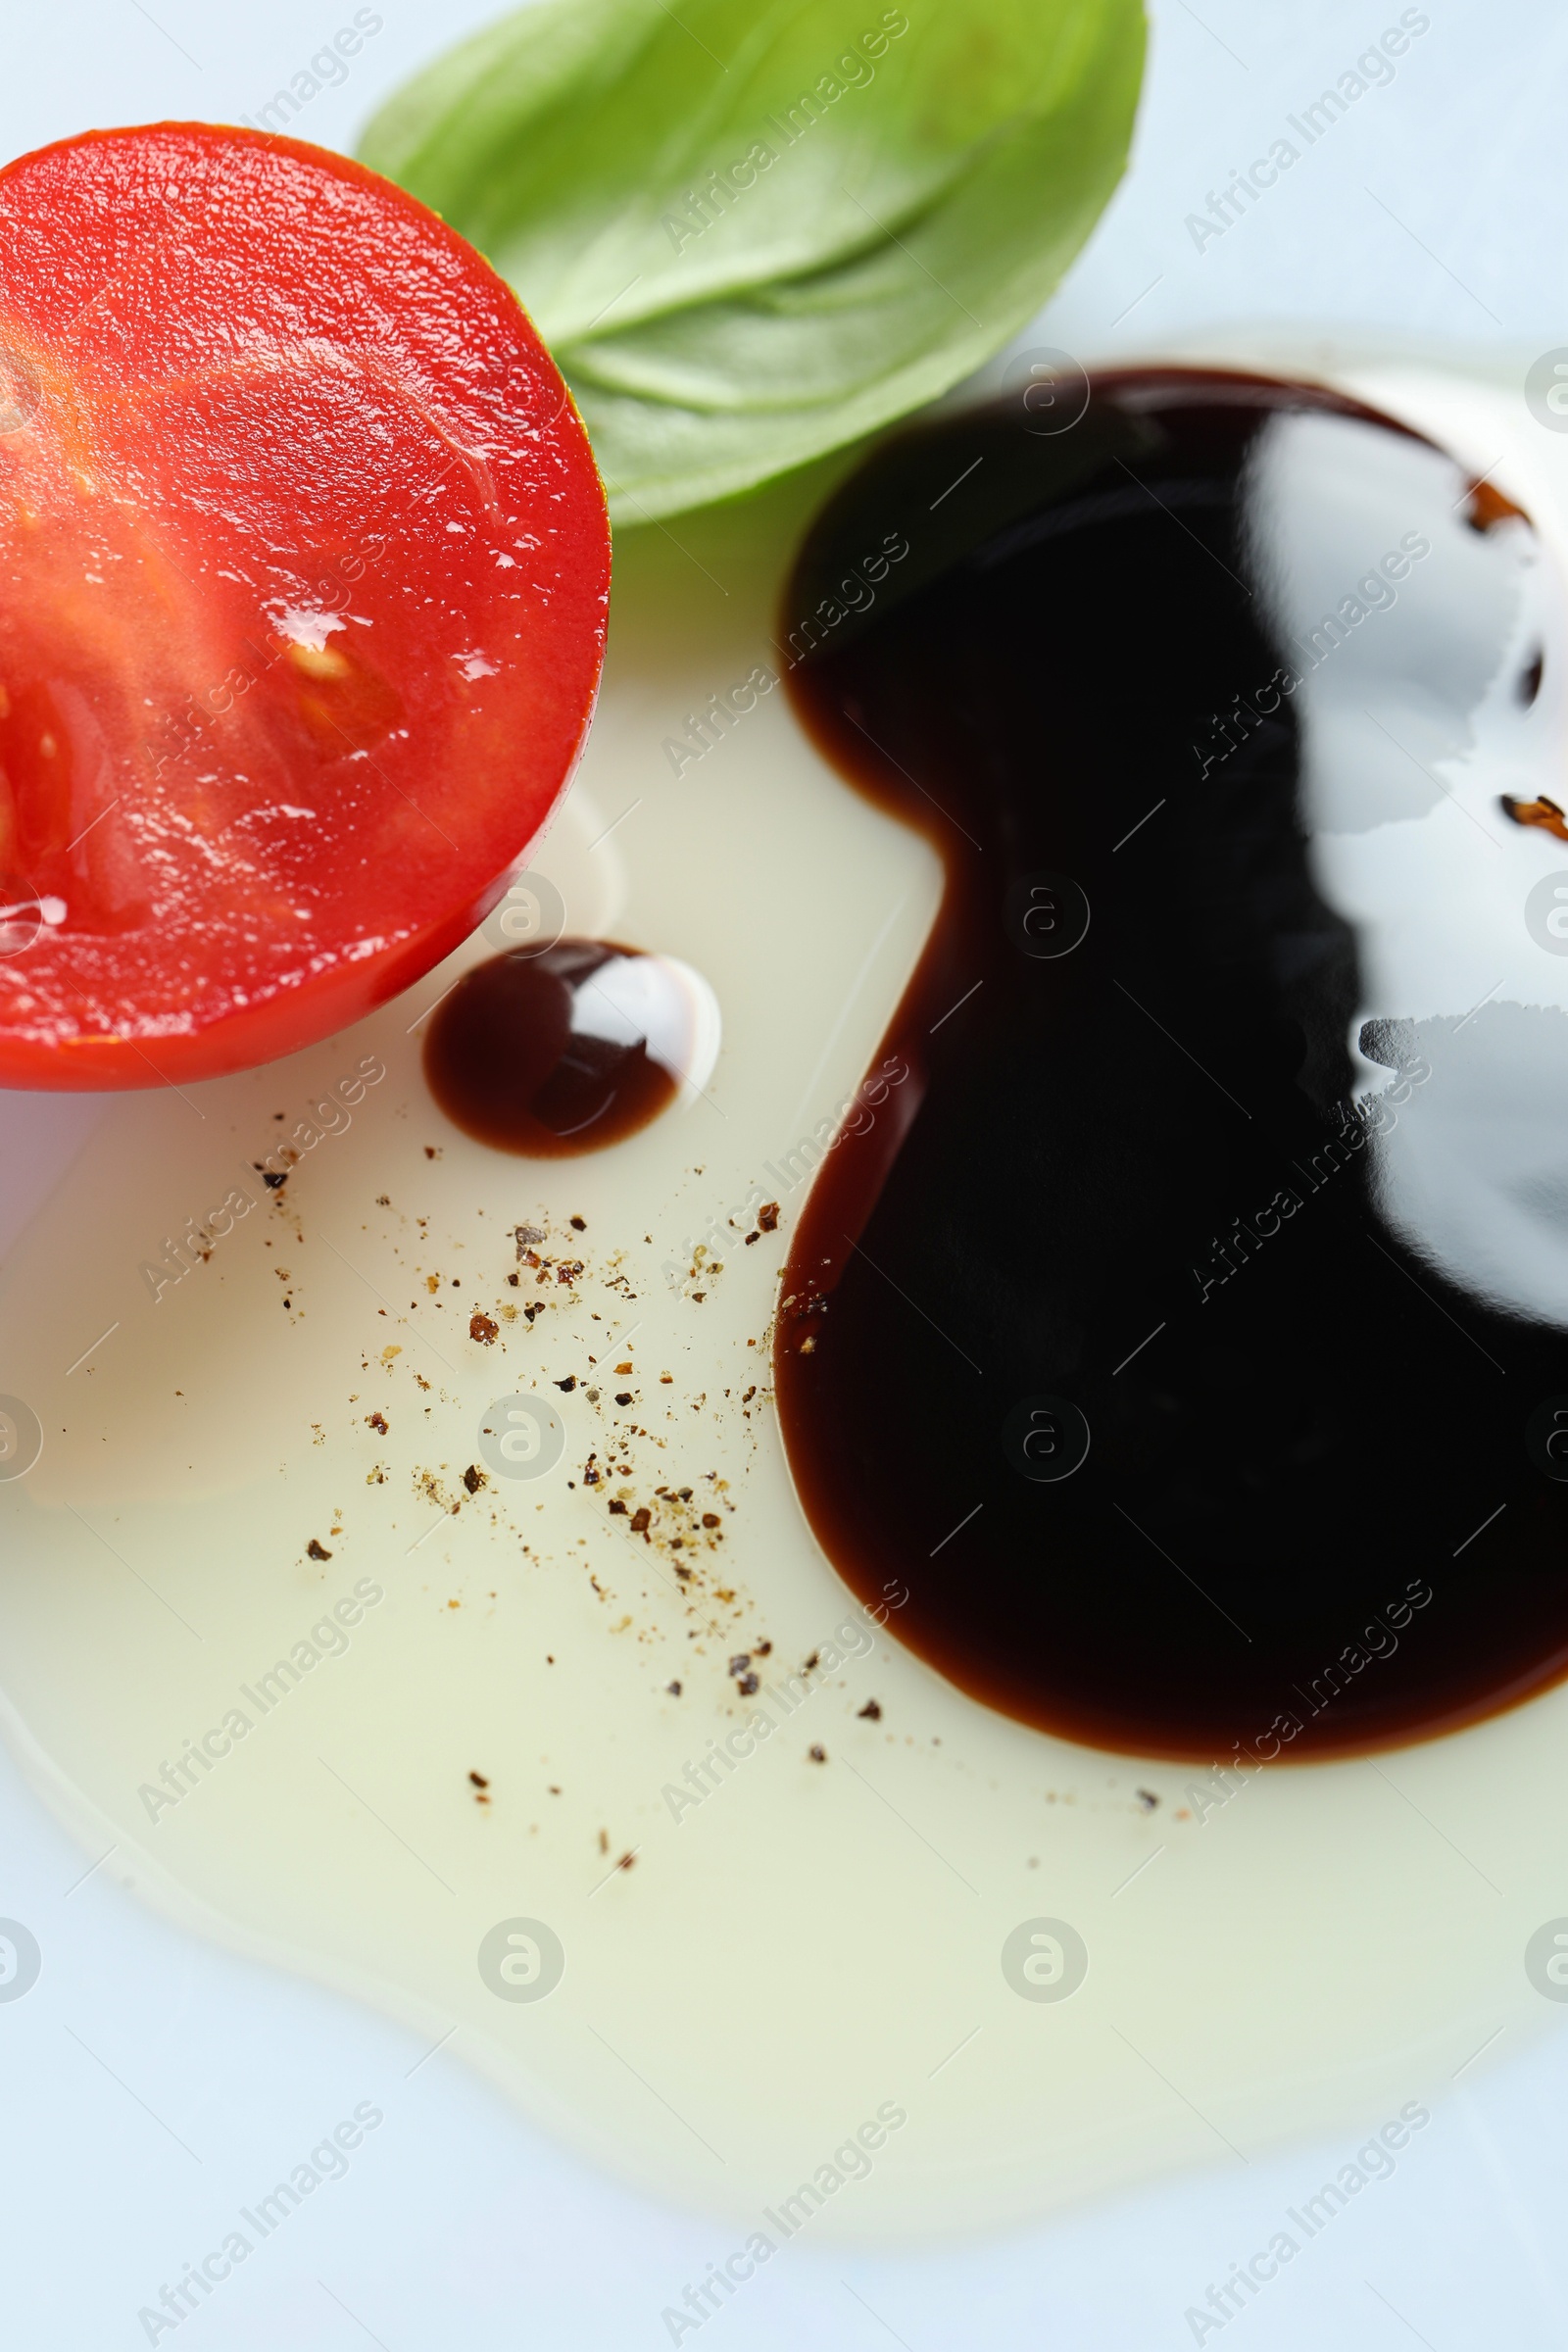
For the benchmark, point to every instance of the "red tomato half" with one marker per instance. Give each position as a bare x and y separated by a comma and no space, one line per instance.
304,566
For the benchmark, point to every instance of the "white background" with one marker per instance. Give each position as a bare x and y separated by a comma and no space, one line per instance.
150,2086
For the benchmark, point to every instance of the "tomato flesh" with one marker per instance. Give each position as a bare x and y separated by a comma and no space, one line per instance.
304,566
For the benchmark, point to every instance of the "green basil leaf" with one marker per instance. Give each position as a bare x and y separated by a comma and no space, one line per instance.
750,234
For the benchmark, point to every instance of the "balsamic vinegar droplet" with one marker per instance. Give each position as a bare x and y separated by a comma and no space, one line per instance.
567,1049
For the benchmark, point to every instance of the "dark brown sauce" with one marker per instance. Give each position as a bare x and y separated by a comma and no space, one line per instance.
1309,1509
518,1057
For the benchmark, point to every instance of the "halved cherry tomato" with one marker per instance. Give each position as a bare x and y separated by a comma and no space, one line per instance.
303,564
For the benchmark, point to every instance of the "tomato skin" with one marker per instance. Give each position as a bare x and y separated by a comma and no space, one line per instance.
304,568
